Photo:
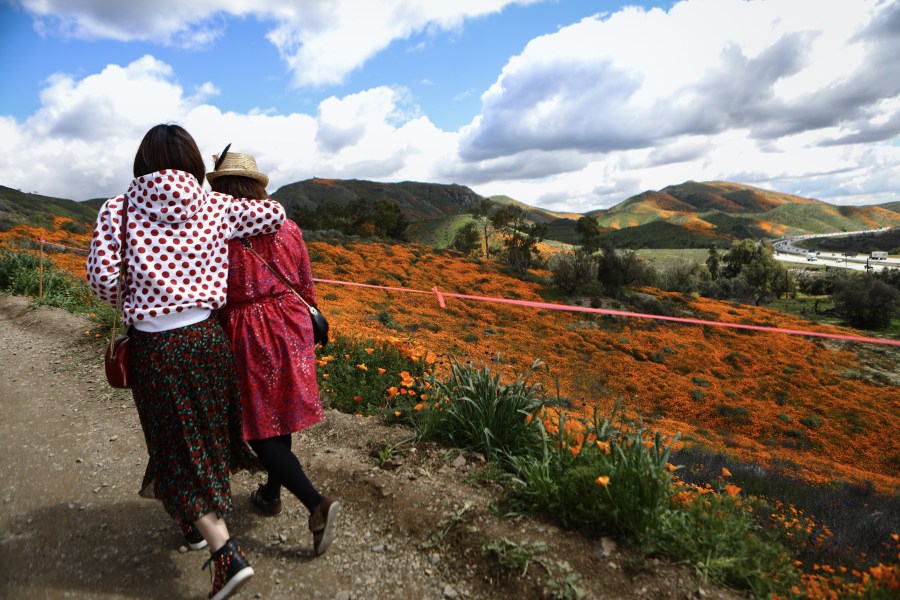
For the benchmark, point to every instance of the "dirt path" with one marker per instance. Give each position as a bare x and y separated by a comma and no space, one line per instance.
72,526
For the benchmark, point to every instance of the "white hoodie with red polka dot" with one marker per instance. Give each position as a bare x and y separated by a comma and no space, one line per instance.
177,247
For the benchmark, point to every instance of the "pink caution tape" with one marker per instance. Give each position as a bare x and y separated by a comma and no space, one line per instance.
620,313
57,245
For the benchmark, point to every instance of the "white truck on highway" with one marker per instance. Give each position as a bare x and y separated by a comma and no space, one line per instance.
876,255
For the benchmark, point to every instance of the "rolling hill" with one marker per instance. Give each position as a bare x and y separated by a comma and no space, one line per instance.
418,201
688,215
17,207
698,214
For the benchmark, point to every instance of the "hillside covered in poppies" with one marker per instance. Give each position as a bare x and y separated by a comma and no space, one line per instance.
824,409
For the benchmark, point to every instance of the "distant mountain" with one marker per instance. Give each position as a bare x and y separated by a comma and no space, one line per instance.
17,207
698,214
538,215
691,214
418,201
894,206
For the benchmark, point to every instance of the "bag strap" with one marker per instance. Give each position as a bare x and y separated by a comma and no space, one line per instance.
123,271
249,247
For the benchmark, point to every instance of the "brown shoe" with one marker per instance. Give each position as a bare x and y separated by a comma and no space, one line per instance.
268,507
321,524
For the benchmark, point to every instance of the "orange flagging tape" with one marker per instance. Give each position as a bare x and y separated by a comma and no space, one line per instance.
619,313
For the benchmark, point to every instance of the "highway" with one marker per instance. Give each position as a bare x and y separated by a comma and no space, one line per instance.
787,251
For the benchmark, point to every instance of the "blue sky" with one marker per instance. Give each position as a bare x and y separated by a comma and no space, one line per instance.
569,105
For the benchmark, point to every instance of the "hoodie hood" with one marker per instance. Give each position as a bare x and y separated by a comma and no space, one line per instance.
167,196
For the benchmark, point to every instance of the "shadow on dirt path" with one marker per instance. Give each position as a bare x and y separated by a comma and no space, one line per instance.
72,526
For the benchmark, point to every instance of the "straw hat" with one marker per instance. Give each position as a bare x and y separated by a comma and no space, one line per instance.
235,163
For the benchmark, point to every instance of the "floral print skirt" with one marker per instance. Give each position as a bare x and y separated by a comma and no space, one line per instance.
187,397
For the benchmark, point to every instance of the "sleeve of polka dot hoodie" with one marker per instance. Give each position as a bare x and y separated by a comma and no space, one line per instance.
104,256
254,217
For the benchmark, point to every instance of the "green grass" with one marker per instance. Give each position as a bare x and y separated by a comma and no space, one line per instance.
20,275
438,232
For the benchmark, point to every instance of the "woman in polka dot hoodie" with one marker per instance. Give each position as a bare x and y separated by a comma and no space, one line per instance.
181,365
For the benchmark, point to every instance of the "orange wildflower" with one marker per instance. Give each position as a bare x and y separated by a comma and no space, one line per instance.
397,413
357,398
419,406
604,446
528,418
362,367
648,444
602,481
732,490
726,472
392,391
672,468
381,371
370,350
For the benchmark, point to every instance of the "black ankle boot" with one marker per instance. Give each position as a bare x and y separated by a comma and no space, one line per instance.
232,570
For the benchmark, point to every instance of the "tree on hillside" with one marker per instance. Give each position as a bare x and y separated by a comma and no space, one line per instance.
522,236
381,218
572,271
739,256
713,262
589,230
751,273
467,238
481,212
865,301
616,269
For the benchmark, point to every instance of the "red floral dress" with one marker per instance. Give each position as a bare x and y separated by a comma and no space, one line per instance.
271,334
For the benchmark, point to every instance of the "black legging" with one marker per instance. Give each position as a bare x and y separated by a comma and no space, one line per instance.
284,470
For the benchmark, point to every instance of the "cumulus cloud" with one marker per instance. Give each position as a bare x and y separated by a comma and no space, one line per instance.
639,78
783,95
320,40
81,142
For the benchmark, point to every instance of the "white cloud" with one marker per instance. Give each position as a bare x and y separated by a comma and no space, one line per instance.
81,143
786,95
322,41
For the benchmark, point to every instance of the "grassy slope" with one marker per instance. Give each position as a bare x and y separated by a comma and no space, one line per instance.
436,232
759,396
18,207
418,201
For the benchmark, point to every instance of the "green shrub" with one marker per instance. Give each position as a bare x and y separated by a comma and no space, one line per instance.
718,536
619,483
700,381
473,409
20,275
698,395
812,422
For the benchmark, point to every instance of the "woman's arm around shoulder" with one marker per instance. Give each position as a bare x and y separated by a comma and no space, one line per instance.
247,218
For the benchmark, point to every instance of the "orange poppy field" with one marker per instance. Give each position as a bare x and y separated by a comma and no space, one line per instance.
823,409
826,409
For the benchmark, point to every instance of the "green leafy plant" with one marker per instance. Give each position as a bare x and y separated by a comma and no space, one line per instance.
473,408
618,482
718,536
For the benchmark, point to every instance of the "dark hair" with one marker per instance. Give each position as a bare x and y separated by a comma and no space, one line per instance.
239,186
169,147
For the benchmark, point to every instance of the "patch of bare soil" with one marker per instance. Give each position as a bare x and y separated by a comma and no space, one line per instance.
72,525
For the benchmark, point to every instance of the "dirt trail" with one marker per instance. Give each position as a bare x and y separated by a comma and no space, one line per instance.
72,526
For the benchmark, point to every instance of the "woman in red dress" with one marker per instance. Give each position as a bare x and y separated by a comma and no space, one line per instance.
272,339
